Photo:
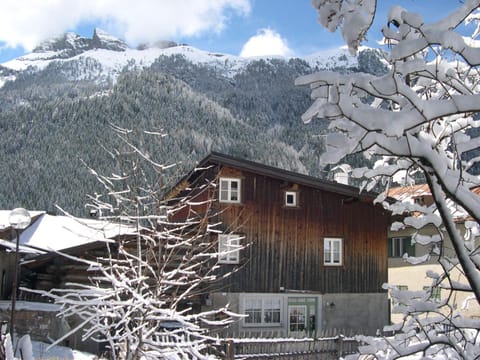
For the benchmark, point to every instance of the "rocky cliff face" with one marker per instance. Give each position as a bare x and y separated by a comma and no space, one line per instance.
103,40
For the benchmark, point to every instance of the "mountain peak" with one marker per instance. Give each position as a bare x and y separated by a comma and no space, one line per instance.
71,44
68,42
103,40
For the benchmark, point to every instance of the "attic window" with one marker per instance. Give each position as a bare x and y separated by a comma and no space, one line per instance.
291,199
230,190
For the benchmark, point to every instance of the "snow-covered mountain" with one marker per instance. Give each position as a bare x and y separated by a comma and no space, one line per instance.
58,106
112,55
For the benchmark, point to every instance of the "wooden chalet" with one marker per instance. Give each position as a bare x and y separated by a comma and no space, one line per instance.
309,254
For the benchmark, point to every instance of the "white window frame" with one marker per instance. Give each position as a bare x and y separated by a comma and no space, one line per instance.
229,193
295,199
229,248
330,260
266,303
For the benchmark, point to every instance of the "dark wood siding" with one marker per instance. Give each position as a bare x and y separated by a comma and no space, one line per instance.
286,244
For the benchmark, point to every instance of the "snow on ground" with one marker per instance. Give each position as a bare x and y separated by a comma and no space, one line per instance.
58,352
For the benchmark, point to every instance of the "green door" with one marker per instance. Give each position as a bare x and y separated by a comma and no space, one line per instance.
302,316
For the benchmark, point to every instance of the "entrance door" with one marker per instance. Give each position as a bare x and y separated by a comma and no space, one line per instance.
302,316
297,320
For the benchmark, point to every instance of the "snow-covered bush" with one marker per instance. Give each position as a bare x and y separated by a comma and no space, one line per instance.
144,295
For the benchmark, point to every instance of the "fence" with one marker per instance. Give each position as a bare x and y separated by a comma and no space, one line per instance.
330,345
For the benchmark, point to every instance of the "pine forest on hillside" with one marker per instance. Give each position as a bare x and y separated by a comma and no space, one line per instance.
56,121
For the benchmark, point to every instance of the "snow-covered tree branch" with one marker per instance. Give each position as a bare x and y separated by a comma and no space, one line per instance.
144,296
420,120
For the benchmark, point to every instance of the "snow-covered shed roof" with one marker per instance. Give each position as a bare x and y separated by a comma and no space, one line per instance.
53,233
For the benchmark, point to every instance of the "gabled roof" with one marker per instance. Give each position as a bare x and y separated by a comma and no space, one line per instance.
285,175
409,193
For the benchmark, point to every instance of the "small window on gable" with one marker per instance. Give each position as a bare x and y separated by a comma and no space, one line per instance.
229,248
333,251
291,199
229,190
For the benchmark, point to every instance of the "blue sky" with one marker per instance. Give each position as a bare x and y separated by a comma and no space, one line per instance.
247,27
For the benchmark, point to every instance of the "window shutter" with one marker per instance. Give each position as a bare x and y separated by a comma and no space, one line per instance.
390,247
409,247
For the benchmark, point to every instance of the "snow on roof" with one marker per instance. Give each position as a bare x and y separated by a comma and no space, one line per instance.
22,249
29,305
55,233
346,168
409,194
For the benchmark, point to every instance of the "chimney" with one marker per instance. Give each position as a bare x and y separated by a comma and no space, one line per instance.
341,174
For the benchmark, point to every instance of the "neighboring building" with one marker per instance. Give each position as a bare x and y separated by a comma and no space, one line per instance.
42,268
411,276
310,254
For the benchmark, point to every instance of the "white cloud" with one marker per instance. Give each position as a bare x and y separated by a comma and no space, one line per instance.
27,22
266,42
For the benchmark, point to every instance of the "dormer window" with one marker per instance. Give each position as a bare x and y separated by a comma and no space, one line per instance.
230,190
420,200
291,199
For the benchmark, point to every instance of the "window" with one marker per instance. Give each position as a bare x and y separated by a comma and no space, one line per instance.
263,311
229,248
229,190
398,246
434,292
332,254
420,200
291,198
